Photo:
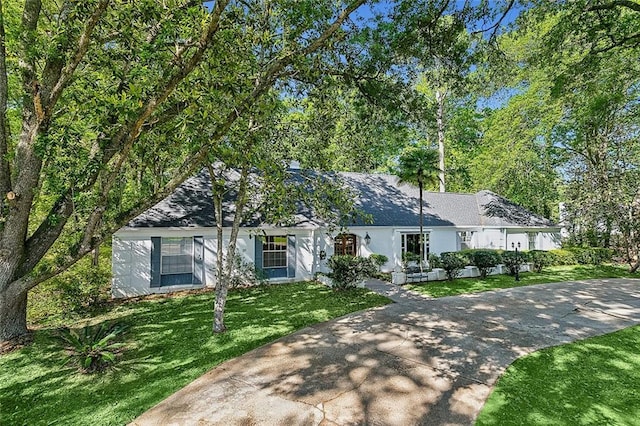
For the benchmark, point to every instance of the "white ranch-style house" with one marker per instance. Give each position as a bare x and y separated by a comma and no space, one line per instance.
172,246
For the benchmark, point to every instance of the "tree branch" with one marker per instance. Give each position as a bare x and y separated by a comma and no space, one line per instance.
618,43
127,137
39,243
5,171
628,4
83,45
497,24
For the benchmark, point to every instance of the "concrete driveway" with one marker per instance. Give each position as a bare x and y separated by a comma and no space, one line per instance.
417,361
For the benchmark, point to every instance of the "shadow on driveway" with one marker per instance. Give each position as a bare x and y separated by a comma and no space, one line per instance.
417,361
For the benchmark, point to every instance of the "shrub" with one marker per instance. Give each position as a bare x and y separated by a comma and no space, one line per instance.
93,348
513,261
540,259
245,274
467,255
378,260
409,257
434,261
591,255
452,263
562,257
348,271
485,260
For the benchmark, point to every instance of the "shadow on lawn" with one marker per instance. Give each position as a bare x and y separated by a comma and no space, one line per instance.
420,362
592,382
170,343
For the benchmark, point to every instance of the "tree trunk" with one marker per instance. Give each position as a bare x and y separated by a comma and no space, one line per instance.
421,238
218,308
440,95
217,192
221,291
95,262
13,315
221,284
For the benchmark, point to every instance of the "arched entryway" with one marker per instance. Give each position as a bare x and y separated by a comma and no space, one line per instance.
345,244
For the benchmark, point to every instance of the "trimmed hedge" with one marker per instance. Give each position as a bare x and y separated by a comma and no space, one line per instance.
486,259
513,262
561,257
591,255
540,259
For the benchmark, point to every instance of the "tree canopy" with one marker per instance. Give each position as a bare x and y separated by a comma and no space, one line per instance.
107,105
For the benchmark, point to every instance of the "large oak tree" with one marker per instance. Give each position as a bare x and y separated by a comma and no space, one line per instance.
93,98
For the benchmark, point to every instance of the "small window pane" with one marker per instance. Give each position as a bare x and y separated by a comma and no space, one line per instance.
411,244
274,252
176,256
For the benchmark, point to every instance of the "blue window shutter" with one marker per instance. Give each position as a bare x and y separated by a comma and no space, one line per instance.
198,260
258,254
291,256
155,261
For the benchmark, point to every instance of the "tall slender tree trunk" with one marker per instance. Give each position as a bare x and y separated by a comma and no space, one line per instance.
222,286
217,193
421,238
95,262
440,96
221,293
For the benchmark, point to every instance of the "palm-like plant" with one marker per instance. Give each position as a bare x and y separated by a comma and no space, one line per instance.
418,165
92,348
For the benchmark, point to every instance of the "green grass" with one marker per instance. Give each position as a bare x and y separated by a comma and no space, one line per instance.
170,344
592,382
494,282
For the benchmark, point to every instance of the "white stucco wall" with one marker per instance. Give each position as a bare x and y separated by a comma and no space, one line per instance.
131,257
489,238
131,261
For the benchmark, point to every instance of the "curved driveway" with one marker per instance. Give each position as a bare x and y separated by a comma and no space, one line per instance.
417,361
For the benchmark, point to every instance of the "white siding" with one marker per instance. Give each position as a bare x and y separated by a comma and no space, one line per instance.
442,240
131,258
489,238
132,250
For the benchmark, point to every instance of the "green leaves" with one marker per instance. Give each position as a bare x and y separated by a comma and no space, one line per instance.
92,349
348,271
418,164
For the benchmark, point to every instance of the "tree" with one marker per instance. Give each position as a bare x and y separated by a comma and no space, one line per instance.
89,85
419,165
569,70
335,127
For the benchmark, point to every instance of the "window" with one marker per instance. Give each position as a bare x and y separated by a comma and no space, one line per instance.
274,251
465,239
532,240
176,256
411,244
345,244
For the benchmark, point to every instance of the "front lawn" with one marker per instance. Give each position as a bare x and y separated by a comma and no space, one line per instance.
493,282
170,344
591,382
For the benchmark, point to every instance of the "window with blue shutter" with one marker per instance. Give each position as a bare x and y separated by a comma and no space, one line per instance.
291,256
272,255
177,261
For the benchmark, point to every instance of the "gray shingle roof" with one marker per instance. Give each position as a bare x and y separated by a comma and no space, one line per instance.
388,203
